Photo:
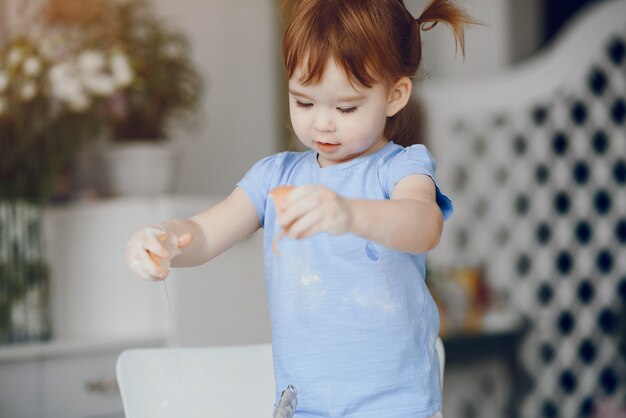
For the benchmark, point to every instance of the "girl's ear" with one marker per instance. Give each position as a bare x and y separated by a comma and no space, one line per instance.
399,95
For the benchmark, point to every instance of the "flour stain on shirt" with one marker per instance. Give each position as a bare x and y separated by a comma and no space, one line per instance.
308,285
308,279
380,296
375,299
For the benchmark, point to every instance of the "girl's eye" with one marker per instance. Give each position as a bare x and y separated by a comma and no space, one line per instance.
347,109
302,104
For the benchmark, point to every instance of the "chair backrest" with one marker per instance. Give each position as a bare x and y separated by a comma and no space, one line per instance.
219,382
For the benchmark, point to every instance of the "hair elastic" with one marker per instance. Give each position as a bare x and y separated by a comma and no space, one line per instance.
426,26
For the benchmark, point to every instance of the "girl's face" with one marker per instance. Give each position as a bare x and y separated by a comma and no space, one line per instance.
340,121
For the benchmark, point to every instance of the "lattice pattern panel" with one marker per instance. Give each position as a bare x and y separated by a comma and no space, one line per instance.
540,200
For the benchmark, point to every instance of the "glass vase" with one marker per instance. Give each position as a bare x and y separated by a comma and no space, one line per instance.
24,274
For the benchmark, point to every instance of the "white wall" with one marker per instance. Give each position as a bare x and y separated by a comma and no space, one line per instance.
489,48
235,44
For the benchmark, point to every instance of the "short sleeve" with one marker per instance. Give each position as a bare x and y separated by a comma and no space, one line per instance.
415,159
257,182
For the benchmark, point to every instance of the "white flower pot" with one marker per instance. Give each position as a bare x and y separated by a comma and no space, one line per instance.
141,168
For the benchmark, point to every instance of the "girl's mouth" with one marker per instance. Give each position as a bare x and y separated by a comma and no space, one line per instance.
326,147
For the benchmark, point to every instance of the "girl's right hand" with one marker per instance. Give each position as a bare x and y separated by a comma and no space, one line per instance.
150,250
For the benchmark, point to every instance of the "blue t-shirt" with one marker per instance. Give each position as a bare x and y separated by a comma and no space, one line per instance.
353,324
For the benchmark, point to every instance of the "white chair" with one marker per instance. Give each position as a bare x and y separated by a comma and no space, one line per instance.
211,382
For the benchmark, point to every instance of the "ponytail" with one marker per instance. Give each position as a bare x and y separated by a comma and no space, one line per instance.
406,127
445,11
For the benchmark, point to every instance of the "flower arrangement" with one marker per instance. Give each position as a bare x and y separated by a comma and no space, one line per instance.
51,93
81,69
50,96
103,66
166,84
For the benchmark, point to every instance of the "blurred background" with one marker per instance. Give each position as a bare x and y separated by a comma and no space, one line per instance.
118,113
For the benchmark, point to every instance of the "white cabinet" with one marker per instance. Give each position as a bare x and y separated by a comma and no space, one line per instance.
62,379
80,386
21,389
94,294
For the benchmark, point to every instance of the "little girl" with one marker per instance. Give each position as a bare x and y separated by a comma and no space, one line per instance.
353,324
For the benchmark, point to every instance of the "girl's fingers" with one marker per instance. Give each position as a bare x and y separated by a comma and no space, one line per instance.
151,266
297,209
185,240
157,250
142,268
309,210
153,243
147,252
307,225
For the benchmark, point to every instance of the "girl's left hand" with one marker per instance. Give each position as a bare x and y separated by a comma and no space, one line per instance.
312,209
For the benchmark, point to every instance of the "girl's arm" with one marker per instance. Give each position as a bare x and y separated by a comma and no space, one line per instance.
191,242
411,221
216,229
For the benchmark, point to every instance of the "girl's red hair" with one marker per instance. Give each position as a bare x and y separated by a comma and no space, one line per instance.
371,40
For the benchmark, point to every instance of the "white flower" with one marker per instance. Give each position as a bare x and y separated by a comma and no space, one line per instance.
15,56
4,81
91,62
32,66
79,103
60,76
3,106
99,84
60,72
122,72
29,90
68,91
65,85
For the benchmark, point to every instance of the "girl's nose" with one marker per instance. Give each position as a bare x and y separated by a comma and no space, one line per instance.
323,121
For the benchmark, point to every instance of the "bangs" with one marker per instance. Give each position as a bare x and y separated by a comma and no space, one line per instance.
323,30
